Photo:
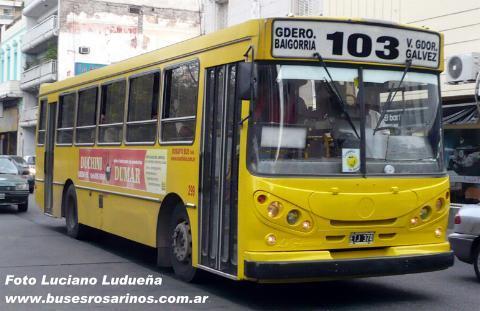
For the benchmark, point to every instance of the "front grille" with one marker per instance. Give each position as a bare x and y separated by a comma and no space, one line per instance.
7,188
360,223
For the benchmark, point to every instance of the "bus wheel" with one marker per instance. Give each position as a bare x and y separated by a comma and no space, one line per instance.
181,245
74,229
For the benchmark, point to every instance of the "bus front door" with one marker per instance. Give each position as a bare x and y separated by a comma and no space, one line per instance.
48,158
219,171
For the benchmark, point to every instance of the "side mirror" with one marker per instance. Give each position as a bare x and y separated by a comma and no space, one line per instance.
245,81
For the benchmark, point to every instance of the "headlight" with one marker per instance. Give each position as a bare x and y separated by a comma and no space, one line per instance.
292,216
21,187
32,170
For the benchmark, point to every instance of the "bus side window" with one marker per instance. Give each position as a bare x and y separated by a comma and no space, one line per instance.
86,116
111,112
143,108
180,103
41,122
65,120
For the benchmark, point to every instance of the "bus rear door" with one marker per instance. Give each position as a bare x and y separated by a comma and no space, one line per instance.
49,157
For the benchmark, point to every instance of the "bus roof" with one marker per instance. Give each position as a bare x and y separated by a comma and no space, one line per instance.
249,30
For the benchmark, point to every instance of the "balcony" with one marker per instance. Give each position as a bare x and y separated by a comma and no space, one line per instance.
6,19
37,8
36,39
43,73
10,90
28,116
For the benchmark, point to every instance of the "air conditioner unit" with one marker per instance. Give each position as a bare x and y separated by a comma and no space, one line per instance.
84,50
463,68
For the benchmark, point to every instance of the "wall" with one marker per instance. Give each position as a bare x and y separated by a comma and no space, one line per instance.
217,16
113,33
9,119
374,9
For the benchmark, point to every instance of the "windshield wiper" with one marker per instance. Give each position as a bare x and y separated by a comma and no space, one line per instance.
339,98
390,98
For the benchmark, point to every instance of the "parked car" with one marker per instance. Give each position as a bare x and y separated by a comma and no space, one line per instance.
31,160
13,188
465,240
23,169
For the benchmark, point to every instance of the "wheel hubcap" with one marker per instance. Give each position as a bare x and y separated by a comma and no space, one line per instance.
182,242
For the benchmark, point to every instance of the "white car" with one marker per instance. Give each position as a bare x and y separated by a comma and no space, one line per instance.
465,240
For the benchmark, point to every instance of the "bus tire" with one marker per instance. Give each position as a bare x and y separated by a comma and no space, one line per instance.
22,208
74,229
476,261
180,239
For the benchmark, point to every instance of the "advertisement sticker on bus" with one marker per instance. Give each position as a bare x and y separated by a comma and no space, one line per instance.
355,42
133,169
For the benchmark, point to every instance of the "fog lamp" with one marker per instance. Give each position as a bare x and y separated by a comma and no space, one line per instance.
414,221
292,216
438,232
306,225
425,212
271,239
273,209
439,204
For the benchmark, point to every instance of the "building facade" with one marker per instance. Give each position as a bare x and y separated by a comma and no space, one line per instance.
218,14
65,38
11,31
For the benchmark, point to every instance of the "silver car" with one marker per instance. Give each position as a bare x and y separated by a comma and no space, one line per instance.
465,240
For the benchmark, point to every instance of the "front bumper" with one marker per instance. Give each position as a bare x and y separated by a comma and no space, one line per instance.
347,268
462,246
18,197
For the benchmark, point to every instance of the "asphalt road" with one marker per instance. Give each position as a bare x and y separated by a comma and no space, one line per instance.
35,245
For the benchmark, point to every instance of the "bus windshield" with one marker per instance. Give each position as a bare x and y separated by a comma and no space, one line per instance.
300,126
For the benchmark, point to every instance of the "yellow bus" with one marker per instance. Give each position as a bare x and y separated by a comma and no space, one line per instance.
281,149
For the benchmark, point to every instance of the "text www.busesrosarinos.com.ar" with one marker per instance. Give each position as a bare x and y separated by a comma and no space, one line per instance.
106,299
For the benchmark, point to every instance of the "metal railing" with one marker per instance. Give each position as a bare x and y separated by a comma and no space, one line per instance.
40,33
33,77
28,114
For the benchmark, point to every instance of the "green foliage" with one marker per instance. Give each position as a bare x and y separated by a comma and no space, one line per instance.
51,53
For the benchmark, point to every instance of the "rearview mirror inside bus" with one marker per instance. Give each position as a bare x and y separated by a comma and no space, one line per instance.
245,81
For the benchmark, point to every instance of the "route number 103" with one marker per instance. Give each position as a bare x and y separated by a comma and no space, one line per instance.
360,45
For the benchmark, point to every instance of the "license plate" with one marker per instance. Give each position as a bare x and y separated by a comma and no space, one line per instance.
2,196
361,238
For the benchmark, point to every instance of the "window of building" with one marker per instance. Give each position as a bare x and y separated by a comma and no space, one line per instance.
143,108
307,7
86,116
66,114
41,122
180,103
112,112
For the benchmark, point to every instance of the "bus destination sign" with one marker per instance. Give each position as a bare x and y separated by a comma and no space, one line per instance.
355,42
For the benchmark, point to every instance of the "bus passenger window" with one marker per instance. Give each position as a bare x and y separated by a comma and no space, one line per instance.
65,119
143,108
180,103
86,115
41,122
111,112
